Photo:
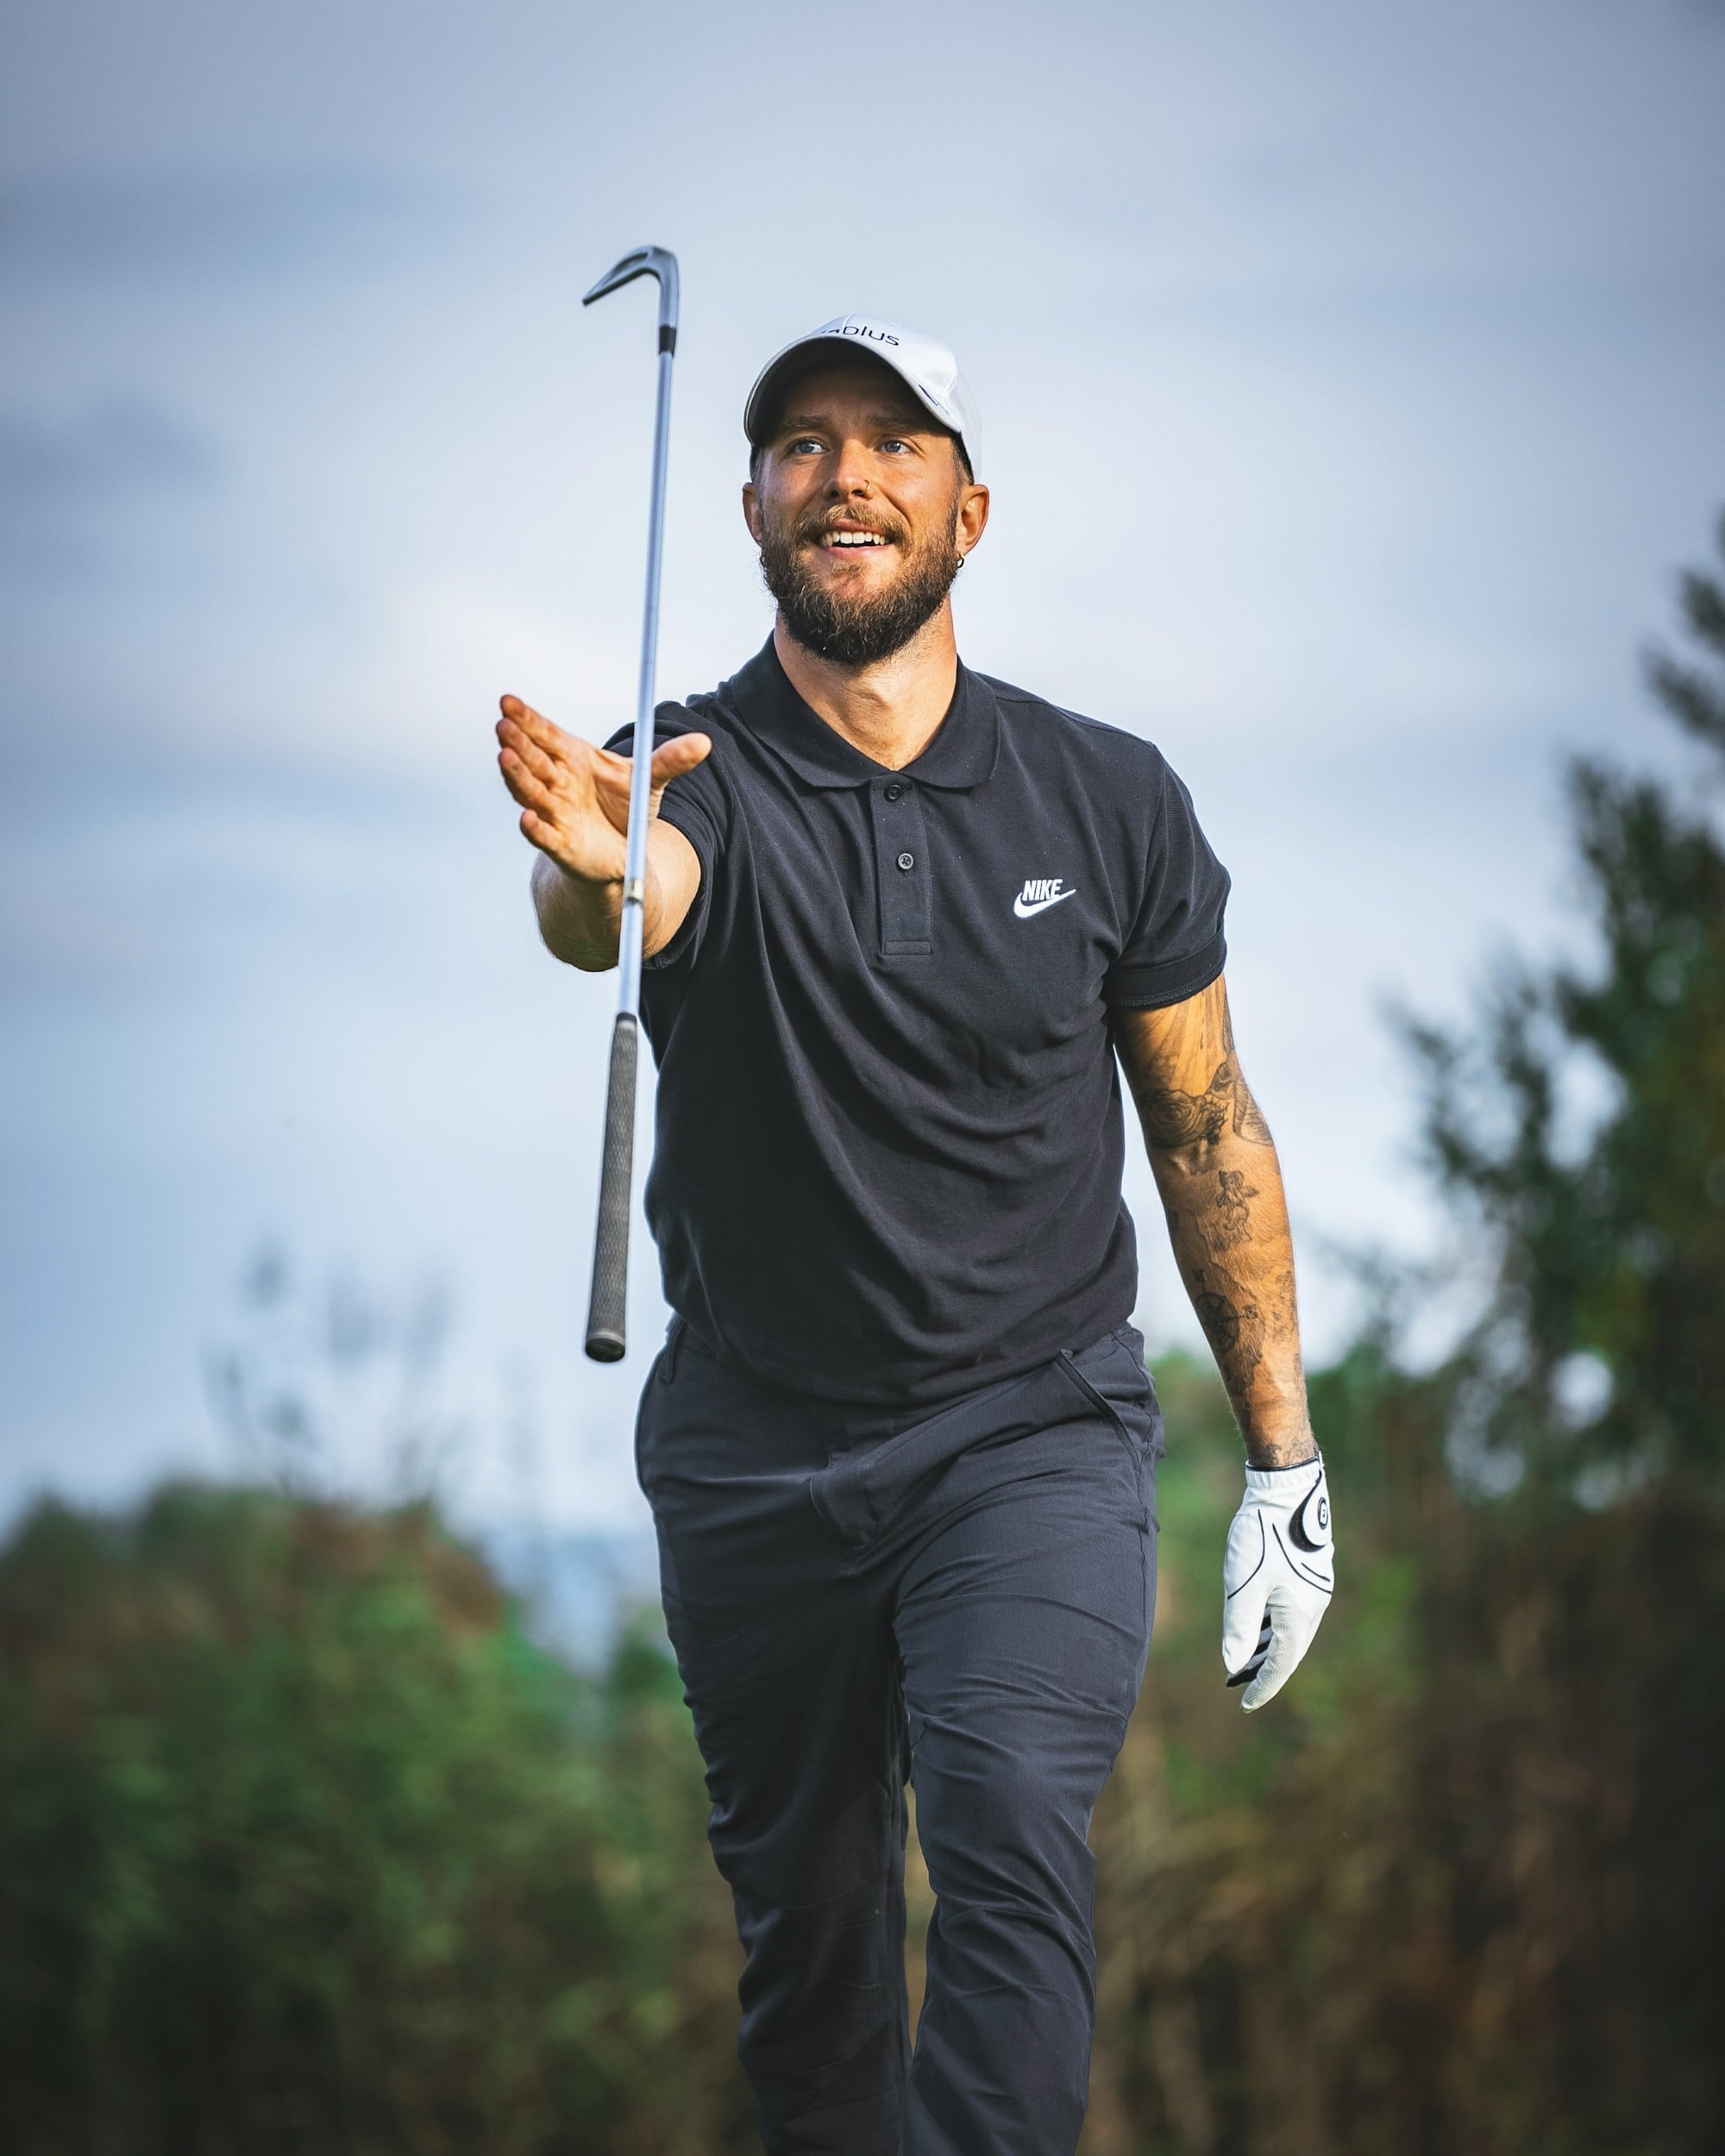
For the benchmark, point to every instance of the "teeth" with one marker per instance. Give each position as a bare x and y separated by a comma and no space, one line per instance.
854,539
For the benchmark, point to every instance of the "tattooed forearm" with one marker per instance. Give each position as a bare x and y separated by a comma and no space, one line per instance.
1235,1330
1221,1185
1230,1220
1254,1337
1242,1288
1171,1117
1234,1325
1188,1118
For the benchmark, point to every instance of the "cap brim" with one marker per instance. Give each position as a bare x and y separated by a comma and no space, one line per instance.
762,410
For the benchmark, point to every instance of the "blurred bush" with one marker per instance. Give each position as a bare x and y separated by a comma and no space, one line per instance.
306,1847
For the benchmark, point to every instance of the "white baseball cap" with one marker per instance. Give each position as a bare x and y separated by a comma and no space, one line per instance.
926,367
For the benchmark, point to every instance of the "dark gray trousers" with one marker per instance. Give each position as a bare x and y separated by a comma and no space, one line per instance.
963,1600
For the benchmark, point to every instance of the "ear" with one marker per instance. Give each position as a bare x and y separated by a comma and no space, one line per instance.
973,515
751,511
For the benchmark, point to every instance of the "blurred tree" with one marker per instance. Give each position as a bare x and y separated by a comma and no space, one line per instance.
1601,1352
1462,1894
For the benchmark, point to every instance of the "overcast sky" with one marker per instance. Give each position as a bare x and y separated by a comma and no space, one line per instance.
1351,376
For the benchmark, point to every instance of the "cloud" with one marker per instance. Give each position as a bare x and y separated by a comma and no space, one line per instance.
120,445
212,224
65,481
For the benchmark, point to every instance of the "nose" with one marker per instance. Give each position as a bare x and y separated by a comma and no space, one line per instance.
850,477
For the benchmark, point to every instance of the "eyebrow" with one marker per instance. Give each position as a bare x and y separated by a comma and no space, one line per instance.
799,423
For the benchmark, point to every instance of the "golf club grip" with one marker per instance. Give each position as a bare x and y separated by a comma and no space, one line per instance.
606,1337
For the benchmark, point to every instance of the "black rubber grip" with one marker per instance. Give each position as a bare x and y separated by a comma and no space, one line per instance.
667,336
606,1337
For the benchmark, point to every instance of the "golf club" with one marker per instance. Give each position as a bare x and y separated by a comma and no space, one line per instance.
606,1333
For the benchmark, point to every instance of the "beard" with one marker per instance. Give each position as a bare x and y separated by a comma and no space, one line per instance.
856,632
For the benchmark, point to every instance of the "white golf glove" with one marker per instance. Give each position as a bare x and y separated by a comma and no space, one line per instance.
1277,1576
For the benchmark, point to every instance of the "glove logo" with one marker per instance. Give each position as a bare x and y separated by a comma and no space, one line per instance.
1309,1528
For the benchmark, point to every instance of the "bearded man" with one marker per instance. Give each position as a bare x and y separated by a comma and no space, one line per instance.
901,919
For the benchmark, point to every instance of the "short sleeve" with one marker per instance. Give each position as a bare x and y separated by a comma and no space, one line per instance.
695,806
1176,946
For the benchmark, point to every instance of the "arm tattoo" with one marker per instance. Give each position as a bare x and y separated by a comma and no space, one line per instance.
1234,1325
1229,1221
1171,1117
1249,1122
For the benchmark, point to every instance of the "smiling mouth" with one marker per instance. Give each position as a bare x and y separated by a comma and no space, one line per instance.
850,539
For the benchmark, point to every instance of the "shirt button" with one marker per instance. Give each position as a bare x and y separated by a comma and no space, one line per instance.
894,792
907,861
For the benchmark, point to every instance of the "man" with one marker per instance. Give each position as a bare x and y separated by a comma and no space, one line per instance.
900,1445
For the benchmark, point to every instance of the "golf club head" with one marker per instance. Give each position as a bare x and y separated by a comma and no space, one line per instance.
645,261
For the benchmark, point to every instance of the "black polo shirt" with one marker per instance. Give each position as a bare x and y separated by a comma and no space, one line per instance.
889,1138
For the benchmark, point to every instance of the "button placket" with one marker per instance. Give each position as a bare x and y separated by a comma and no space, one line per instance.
901,875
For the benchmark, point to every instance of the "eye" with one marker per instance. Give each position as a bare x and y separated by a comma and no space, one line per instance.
804,444
894,446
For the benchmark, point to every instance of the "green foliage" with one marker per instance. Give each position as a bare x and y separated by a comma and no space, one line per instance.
306,1847
1460,1889
1612,1247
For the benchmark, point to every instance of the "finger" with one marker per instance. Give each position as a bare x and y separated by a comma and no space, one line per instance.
538,832
617,774
517,712
531,793
610,769
1250,1669
535,726
677,756
1293,1628
526,750
1242,1620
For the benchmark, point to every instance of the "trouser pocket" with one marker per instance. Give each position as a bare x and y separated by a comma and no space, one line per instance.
663,1372
1111,1375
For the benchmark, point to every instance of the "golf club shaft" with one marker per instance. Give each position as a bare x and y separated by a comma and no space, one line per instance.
635,858
607,1309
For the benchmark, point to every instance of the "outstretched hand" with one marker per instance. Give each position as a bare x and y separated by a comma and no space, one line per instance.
575,798
575,808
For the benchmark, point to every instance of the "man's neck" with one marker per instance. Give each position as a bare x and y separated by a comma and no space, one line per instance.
892,710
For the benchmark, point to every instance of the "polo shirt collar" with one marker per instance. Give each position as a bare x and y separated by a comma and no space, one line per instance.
962,753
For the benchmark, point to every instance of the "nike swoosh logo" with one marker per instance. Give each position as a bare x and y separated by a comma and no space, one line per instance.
1038,905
